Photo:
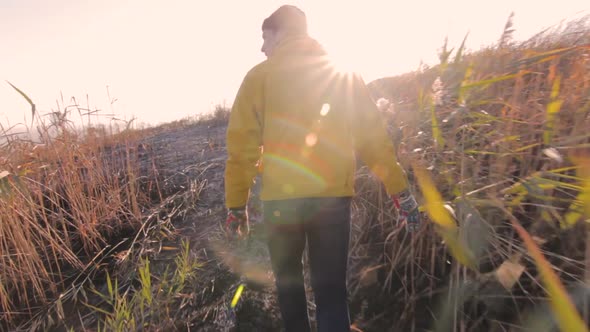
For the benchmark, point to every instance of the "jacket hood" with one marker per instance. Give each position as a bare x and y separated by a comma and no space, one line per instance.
299,45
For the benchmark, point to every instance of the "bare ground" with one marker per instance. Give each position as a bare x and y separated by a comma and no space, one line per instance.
196,154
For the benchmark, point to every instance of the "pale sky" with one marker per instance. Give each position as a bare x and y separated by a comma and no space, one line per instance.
165,60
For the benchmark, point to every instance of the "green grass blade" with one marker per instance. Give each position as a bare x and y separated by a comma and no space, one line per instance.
581,205
459,54
462,94
237,295
447,229
552,109
29,100
485,83
563,308
97,309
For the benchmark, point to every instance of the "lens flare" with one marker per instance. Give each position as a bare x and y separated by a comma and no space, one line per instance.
325,109
311,139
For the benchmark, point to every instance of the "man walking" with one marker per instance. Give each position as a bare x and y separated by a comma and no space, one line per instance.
302,124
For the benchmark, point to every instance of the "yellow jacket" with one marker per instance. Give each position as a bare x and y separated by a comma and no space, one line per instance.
301,123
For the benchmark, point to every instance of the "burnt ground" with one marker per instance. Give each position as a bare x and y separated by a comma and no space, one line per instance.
192,158
196,155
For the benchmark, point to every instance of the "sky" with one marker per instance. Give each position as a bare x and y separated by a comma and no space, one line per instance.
159,61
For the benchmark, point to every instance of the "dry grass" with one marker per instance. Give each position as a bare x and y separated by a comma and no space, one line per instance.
500,131
496,130
64,194
96,200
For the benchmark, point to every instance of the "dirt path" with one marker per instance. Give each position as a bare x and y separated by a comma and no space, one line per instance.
190,162
196,154
185,164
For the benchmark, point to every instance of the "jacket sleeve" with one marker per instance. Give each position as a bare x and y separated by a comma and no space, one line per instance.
373,144
243,141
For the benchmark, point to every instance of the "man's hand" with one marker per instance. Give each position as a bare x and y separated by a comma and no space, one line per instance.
408,210
236,224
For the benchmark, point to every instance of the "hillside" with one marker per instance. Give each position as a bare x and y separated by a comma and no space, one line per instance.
121,228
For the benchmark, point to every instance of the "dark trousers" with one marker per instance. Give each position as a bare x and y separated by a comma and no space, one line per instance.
325,224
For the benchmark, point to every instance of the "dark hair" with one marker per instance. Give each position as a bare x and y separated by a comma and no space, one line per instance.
287,18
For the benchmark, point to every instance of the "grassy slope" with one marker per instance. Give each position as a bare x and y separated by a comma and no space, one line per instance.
499,133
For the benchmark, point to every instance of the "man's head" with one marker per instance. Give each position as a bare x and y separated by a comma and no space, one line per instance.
285,21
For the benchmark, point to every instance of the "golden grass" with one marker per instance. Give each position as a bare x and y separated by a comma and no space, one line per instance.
62,195
489,138
499,125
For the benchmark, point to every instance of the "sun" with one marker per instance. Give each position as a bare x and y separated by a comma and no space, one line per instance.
343,49
345,62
